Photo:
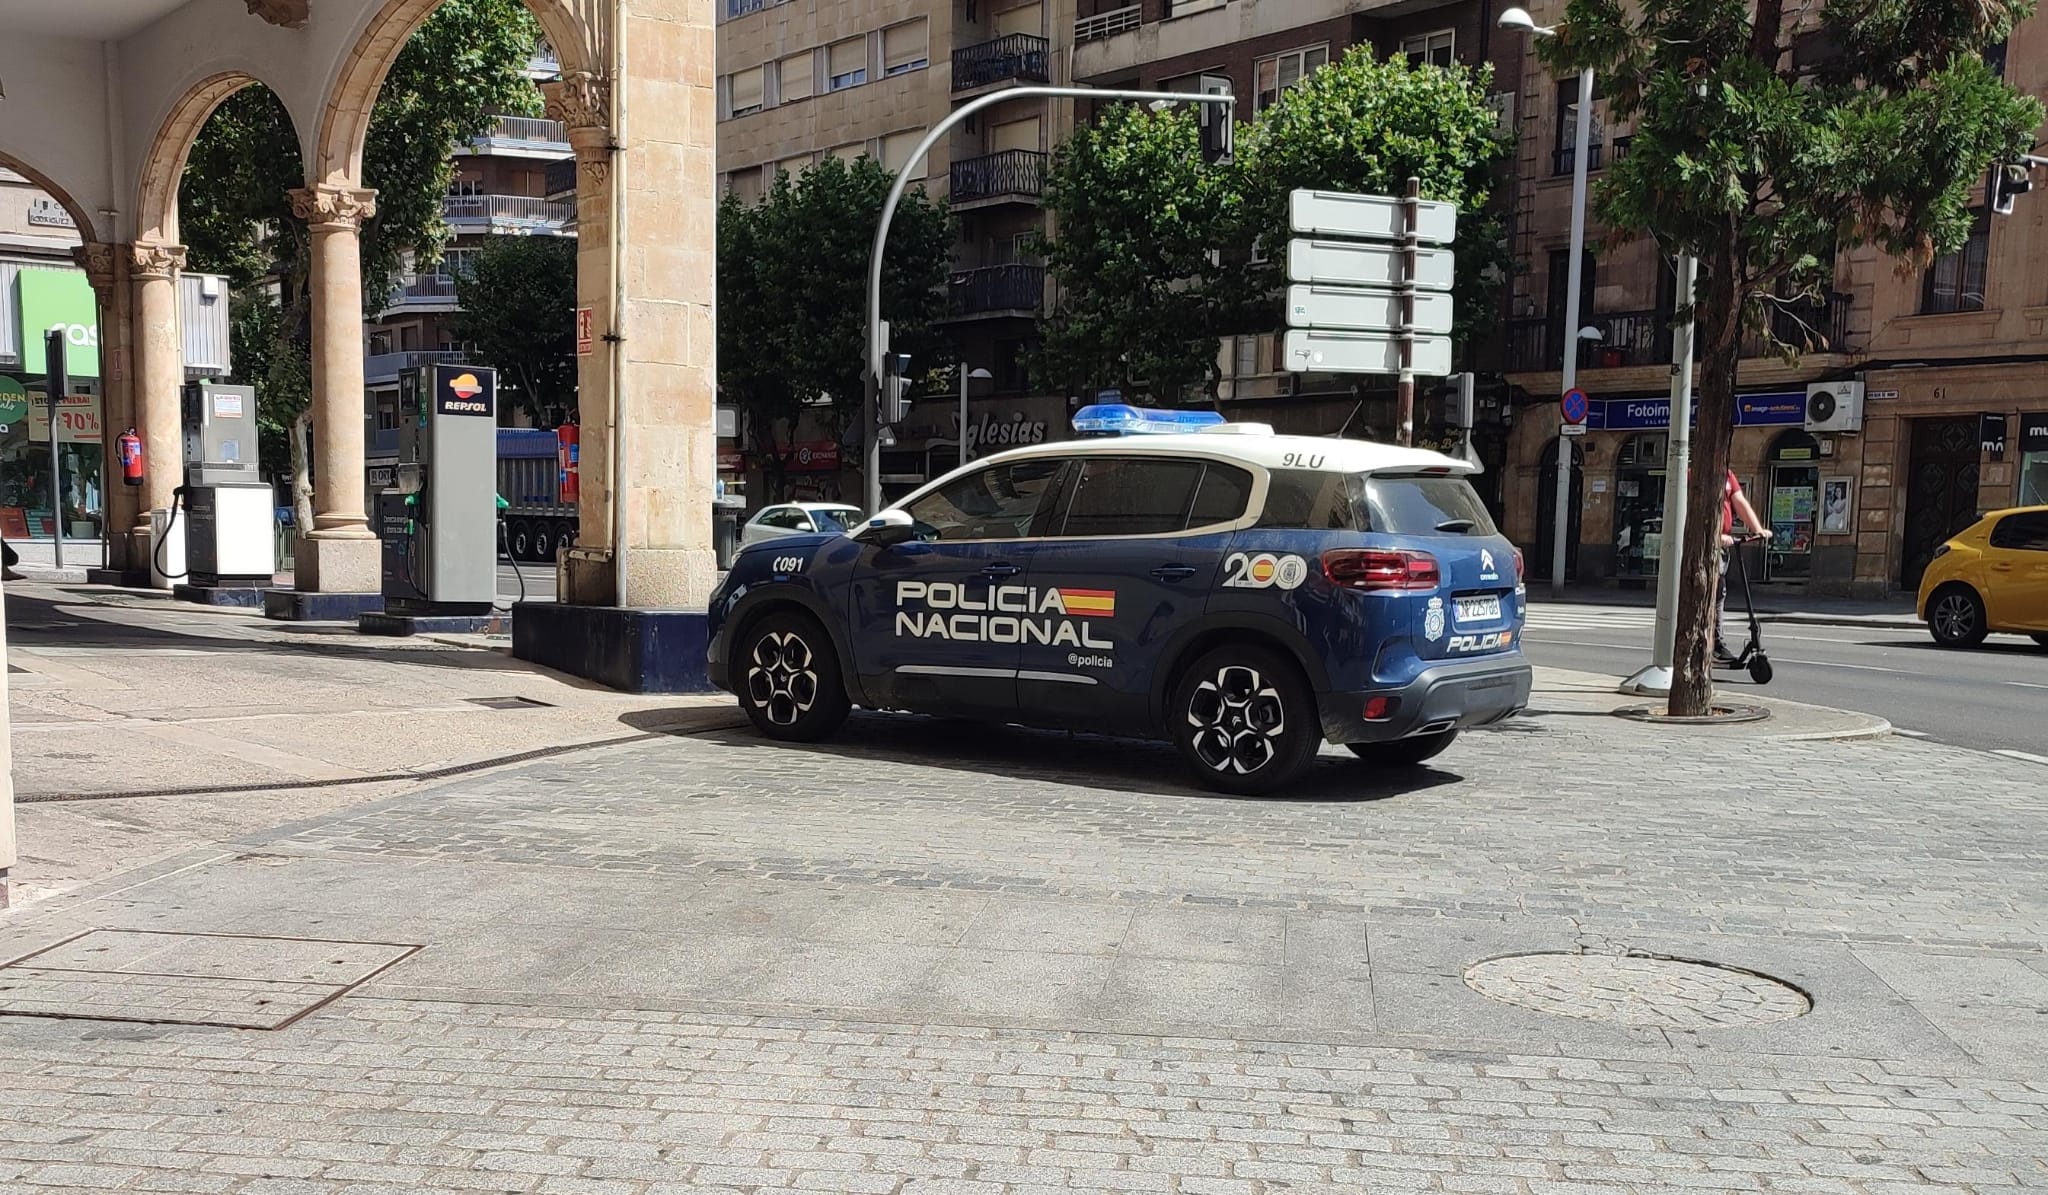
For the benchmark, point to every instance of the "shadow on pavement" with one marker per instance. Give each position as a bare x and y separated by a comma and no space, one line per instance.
1086,760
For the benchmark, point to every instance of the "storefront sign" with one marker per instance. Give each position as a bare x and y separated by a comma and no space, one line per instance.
1014,431
814,456
45,212
2034,432
13,402
59,299
1991,436
78,419
1787,409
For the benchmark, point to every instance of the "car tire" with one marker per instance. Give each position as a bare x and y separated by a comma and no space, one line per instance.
1403,753
1245,720
786,673
1955,616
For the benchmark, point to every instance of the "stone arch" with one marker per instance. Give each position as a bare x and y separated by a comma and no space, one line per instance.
156,209
87,228
573,27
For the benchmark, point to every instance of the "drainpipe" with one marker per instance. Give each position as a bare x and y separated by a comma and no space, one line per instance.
616,255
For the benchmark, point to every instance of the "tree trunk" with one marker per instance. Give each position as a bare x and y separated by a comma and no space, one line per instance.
1717,328
302,477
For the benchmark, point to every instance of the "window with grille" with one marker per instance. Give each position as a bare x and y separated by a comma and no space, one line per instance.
794,77
1955,282
1431,49
747,94
903,48
1273,75
846,64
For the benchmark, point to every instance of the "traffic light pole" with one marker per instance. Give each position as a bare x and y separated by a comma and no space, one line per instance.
877,338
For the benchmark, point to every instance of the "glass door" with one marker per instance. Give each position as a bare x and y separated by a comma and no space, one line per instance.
1794,511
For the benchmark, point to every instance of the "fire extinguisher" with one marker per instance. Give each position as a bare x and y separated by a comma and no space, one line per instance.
129,447
568,452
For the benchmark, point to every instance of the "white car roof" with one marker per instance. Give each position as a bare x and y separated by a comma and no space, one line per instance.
1254,444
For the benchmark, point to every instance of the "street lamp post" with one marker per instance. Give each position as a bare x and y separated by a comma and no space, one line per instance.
871,449
1518,19
978,374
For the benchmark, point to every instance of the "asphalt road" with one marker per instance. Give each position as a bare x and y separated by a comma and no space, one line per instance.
1992,698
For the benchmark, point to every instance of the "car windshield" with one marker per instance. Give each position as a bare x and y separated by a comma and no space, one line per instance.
833,518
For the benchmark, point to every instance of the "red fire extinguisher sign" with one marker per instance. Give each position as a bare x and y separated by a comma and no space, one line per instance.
567,453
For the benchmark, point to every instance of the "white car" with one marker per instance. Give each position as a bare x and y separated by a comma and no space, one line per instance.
797,518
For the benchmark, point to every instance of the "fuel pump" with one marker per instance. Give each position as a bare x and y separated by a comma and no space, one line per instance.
439,522
230,511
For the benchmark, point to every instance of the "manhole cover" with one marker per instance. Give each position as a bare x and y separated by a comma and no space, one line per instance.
508,703
1629,989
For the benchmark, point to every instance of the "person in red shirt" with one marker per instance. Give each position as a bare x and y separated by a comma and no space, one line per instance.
1734,503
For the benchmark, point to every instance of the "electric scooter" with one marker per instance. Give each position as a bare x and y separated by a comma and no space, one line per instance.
1751,658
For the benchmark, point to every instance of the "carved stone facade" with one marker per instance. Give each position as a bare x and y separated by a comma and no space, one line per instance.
156,261
97,260
291,14
329,207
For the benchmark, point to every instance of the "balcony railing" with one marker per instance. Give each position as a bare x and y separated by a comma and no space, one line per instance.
1108,24
385,367
424,286
1626,338
1018,56
507,209
560,177
533,129
1815,326
1005,172
997,288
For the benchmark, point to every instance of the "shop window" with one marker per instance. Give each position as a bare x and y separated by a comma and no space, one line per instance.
1955,282
1274,75
1639,505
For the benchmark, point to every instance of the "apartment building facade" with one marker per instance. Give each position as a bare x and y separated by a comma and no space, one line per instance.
798,82
1917,365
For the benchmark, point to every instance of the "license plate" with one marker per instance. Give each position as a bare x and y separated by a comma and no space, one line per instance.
1479,609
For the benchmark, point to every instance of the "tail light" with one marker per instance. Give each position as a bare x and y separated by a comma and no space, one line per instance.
1521,567
1380,568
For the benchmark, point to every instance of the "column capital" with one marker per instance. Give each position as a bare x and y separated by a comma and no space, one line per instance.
332,207
151,261
580,100
96,258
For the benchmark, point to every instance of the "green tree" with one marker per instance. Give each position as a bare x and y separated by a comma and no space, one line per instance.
792,299
518,301
1137,214
462,67
1367,126
1766,170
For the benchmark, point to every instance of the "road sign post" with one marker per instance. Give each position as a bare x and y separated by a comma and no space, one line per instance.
1371,290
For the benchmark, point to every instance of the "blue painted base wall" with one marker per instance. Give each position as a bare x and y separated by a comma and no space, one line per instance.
635,651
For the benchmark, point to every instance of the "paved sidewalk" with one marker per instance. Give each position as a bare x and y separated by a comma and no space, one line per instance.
1895,612
930,958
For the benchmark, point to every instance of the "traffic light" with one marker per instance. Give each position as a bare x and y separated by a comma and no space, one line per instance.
2009,180
895,387
1216,132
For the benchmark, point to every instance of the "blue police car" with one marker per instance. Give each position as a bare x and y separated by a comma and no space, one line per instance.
1246,595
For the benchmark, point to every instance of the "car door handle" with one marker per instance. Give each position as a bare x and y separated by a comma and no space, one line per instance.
1174,572
998,571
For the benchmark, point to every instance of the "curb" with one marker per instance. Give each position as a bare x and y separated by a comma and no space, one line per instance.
1886,622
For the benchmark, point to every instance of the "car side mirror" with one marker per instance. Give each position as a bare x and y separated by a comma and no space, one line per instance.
887,529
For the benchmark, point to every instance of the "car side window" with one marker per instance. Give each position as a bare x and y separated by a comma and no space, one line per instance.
1314,500
2025,532
1006,501
1131,496
1222,496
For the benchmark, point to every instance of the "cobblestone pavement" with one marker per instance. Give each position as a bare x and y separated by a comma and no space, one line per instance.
930,958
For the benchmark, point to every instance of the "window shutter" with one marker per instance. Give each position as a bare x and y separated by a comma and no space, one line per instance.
746,91
847,59
1027,18
903,47
896,149
796,76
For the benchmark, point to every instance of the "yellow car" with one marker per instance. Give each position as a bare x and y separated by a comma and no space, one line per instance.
1992,576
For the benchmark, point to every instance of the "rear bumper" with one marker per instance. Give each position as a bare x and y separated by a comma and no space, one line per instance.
1446,696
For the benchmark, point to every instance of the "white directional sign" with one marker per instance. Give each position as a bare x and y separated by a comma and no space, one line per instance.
1364,309
1371,217
1362,352
1354,263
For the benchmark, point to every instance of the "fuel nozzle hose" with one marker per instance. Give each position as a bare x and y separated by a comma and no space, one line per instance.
177,500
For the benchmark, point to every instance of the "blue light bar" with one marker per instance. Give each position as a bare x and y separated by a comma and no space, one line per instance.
1119,419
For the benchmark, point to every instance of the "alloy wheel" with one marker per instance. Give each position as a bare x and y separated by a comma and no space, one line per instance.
1238,718
1955,616
782,677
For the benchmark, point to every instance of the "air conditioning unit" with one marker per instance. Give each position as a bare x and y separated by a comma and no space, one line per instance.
1834,407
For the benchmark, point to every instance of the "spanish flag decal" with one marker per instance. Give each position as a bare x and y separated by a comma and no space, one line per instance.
1089,603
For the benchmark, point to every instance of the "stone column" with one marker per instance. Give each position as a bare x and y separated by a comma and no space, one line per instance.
105,267
581,101
340,553
159,374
